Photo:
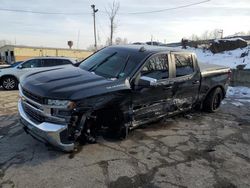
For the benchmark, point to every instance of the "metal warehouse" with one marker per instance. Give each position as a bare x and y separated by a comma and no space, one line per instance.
12,53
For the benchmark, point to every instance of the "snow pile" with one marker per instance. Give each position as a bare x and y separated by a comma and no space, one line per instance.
228,58
238,92
231,39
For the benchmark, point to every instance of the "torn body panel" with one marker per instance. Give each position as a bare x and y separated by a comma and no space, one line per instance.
74,124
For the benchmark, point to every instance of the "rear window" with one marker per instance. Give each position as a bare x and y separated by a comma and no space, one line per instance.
65,62
184,64
49,62
55,62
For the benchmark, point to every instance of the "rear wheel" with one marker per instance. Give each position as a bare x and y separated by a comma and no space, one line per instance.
9,83
213,100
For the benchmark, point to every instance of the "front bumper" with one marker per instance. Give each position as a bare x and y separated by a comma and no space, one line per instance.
45,132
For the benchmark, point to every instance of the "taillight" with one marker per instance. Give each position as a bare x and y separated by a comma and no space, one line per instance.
229,74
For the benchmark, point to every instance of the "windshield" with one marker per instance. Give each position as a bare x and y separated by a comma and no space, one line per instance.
109,63
16,64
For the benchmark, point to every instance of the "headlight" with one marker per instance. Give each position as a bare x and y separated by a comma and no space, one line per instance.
62,103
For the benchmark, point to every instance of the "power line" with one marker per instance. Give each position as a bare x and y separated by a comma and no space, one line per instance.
41,12
167,9
84,13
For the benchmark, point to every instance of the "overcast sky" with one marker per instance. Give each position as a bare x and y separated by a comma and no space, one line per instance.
55,30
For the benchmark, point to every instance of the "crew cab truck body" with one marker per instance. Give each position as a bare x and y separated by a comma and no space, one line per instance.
119,88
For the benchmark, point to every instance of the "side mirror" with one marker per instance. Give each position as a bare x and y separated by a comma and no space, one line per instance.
20,66
77,64
145,81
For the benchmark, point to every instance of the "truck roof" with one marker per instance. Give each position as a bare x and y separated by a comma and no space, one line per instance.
146,49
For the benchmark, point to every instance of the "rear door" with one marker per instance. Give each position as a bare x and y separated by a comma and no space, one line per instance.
51,62
152,102
186,82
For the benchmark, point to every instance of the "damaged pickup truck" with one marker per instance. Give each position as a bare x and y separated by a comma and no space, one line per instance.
117,88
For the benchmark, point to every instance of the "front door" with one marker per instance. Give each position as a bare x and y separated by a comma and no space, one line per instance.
29,67
152,102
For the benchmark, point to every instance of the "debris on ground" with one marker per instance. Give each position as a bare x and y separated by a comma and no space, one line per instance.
188,116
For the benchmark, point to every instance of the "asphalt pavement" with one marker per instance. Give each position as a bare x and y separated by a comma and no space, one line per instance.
195,150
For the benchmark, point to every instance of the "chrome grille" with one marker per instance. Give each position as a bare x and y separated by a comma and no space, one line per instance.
34,115
36,110
33,97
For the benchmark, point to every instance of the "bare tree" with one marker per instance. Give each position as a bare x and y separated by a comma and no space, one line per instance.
215,34
119,40
195,37
112,12
206,35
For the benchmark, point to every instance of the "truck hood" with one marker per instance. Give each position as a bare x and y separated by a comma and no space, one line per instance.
71,83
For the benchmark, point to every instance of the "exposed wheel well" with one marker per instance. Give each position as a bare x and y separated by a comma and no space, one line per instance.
109,116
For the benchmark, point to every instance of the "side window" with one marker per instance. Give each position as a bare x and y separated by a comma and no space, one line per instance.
34,63
65,62
51,62
156,67
184,65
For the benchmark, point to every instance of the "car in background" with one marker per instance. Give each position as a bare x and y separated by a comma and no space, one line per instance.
16,64
10,76
138,43
4,66
155,43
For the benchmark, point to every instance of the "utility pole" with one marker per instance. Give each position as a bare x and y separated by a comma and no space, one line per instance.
94,11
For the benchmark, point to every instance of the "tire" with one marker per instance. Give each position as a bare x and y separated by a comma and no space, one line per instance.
213,100
9,83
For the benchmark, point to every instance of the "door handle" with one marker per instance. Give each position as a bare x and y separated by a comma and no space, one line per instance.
196,82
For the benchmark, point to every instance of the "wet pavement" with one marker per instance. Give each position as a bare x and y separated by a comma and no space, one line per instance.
197,150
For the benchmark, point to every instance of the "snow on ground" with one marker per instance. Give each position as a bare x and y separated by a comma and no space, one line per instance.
228,58
238,92
237,104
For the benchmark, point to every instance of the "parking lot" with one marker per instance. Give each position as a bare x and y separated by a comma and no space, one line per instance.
194,150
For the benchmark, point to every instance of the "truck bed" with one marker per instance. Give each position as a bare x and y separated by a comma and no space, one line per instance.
207,69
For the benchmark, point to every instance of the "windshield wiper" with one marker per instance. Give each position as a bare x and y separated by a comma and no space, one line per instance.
124,67
102,62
